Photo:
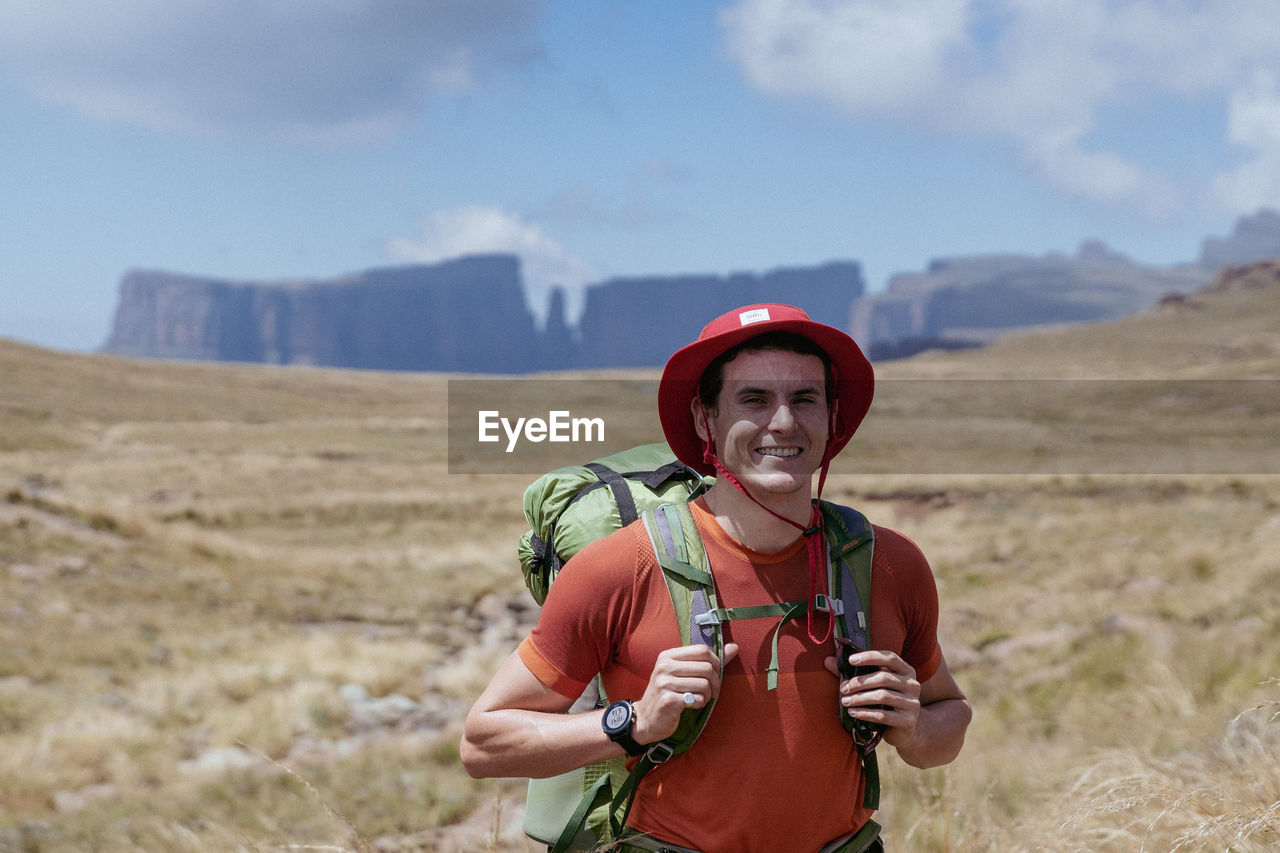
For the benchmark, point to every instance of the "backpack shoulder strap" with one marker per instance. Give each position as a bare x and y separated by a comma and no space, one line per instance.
687,572
850,549
683,559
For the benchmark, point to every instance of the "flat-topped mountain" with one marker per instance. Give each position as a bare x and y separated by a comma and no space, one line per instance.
471,314
971,301
465,315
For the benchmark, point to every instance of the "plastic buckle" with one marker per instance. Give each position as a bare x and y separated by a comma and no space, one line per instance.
660,753
826,604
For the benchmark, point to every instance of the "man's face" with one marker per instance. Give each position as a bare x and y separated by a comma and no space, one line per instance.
770,424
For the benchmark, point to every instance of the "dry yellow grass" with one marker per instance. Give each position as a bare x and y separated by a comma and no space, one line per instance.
198,562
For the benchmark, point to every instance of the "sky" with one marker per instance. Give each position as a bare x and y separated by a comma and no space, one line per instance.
268,140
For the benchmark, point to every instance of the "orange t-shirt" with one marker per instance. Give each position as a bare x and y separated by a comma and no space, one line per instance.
773,769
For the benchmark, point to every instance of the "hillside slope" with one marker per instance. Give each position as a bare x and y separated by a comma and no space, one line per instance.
246,607
1224,331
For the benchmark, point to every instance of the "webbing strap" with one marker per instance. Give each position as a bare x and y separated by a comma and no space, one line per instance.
755,611
859,842
655,478
594,797
784,611
651,480
621,491
870,781
626,796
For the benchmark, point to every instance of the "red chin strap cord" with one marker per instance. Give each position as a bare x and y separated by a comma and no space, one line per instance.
815,542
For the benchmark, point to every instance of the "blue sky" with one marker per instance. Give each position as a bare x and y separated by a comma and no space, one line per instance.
284,139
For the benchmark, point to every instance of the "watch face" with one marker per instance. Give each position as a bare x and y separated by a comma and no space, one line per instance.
616,717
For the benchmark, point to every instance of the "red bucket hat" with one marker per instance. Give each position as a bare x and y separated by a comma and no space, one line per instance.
852,373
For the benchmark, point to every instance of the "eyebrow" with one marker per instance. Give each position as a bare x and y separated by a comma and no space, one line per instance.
752,389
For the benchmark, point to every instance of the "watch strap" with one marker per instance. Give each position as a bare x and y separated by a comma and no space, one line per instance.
630,744
624,737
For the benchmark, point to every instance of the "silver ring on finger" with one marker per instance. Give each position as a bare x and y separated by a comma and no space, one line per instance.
689,699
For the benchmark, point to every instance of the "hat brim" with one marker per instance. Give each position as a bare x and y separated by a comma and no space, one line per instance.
854,384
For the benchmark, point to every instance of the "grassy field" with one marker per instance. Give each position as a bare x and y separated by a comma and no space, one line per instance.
245,608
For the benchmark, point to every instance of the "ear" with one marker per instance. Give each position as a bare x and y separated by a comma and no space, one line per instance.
699,417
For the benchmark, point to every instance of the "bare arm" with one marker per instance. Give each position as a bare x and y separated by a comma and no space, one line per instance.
926,721
940,725
518,726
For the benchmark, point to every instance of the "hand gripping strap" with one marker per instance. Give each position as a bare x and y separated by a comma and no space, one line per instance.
679,551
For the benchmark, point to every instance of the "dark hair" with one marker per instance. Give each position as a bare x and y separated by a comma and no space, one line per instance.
712,380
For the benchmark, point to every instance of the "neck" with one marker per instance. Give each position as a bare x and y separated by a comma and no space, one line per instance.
751,524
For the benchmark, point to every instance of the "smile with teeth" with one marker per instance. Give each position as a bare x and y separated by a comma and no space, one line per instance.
778,451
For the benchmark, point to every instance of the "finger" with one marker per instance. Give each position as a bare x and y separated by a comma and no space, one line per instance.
872,697
832,666
681,695
692,699
670,691
884,660
730,652
696,651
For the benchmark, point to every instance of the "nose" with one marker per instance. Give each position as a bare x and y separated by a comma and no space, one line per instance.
783,420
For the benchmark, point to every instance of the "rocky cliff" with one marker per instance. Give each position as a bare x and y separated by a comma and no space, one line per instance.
467,315
463,315
1254,238
470,314
970,301
639,322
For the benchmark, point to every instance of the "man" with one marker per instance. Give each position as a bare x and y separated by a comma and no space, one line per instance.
764,399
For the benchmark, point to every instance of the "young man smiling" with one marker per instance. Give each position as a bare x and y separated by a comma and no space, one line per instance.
763,400
769,425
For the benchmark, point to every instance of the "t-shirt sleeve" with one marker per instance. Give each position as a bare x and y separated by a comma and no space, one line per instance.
916,595
583,616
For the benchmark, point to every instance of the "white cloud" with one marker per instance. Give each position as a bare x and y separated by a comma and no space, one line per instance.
478,229
1041,74
283,68
1253,122
1100,175
857,54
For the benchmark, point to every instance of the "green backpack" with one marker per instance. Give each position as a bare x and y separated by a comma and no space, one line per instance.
570,507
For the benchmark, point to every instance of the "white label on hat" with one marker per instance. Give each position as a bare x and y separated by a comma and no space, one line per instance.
759,315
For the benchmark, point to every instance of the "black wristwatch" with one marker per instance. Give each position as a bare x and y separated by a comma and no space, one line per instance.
619,723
